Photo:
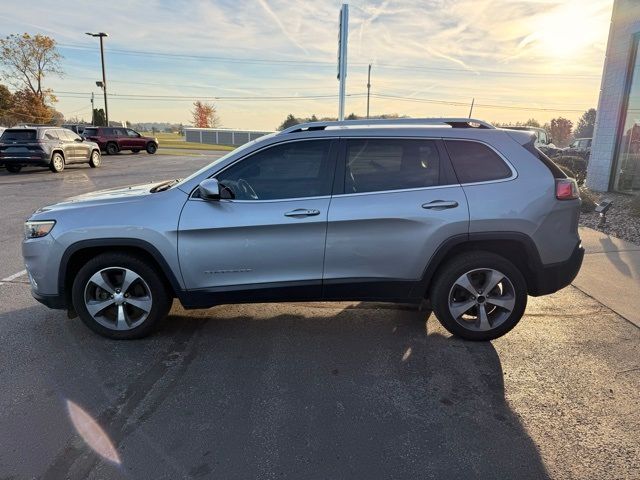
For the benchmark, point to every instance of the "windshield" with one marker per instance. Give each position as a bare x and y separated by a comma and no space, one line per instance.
242,148
18,135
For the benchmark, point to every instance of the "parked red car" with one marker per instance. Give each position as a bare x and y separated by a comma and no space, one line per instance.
115,139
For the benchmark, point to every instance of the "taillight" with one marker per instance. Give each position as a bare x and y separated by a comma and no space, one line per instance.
567,189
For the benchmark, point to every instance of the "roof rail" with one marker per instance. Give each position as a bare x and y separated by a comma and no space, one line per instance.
452,122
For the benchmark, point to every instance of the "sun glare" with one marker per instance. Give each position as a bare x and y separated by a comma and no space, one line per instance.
567,30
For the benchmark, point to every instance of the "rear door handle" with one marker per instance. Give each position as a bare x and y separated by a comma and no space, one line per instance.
302,212
440,204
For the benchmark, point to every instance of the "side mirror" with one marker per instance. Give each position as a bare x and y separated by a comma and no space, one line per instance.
80,139
209,189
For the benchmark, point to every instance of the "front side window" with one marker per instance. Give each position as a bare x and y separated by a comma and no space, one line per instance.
476,162
131,133
390,164
291,170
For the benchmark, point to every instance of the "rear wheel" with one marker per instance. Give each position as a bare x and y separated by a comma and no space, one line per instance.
119,296
95,161
479,296
112,148
152,148
14,168
57,163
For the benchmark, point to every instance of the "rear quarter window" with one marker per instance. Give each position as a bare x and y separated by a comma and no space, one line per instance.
475,162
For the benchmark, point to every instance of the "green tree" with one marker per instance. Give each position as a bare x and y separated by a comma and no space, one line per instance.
561,131
290,121
352,116
532,122
99,119
586,123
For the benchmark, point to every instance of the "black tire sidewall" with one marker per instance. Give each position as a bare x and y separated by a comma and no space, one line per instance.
112,148
162,299
91,161
151,148
462,264
13,168
52,165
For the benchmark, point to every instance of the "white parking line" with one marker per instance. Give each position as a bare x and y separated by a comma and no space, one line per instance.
13,277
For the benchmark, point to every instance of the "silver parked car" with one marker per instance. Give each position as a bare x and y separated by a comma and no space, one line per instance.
454,212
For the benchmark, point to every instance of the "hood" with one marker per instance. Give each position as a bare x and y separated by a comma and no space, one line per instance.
102,197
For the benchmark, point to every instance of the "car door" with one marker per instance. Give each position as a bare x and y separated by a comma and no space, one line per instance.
269,229
134,140
397,201
82,150
67,145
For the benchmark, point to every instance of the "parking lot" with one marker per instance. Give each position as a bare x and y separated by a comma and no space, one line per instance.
321,390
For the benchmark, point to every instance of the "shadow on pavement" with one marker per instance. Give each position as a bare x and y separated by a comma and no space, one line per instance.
287,391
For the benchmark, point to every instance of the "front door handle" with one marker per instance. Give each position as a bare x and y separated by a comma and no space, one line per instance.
440,204
302,212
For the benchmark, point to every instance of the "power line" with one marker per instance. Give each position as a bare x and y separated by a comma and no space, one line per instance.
259,61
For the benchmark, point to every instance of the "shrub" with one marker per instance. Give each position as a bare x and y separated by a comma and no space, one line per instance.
577,165
589,200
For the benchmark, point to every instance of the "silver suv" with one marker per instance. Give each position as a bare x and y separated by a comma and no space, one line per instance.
452,212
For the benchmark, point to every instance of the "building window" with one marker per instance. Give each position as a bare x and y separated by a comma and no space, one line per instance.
627,174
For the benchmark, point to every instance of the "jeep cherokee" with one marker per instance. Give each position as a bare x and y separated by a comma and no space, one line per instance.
452,212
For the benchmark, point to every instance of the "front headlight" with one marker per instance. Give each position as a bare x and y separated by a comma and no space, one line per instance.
37,229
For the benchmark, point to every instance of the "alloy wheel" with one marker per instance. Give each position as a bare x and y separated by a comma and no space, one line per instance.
482,299
118,298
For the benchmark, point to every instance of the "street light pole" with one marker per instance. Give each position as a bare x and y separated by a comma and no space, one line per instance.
368,89
101,35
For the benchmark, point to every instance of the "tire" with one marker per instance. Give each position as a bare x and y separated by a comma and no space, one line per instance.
478,271
135,150
14,168
57,163
120,318
151,148
112,148
96,160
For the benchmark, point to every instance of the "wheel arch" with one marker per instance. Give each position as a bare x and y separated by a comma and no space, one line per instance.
76,255
516,247
57,150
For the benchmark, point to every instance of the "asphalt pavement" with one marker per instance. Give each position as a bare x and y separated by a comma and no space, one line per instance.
314,390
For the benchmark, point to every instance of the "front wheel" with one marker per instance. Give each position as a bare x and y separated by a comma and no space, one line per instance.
152,148
14,168
95,159
479,296
57,163
120,296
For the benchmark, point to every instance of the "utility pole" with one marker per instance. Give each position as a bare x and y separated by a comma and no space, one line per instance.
473,100
93,111
342,57
368,89
101,35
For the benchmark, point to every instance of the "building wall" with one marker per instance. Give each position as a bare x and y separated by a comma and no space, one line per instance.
625,23
221,136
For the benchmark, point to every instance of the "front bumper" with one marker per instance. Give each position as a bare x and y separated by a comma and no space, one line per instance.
551,278
42,260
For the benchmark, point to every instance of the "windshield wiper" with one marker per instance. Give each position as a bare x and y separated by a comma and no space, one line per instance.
161,187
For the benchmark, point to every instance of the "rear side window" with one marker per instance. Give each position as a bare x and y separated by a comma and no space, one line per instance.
391,164
476,162
18,135
51,135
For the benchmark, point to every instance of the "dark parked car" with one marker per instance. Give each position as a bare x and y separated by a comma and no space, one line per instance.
581,147
45,146
115,139
76,127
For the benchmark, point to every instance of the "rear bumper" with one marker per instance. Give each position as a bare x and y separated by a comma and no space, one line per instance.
23,160
551,278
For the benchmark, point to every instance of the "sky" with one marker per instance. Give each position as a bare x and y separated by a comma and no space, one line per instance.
259,60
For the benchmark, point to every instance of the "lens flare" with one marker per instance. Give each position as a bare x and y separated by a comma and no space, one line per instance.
92,433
